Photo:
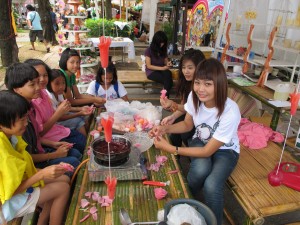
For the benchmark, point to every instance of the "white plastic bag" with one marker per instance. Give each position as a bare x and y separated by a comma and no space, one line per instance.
184,213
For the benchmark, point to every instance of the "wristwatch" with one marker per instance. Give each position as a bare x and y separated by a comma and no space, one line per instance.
176,151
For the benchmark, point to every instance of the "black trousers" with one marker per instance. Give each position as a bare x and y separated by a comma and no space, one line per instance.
163,77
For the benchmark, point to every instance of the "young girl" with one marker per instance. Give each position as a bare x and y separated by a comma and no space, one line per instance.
214,148
157,64
187,67
22,186
115,89
47,117
70,64
23,79
55,89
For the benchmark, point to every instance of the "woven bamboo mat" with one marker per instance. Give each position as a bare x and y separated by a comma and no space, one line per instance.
249,182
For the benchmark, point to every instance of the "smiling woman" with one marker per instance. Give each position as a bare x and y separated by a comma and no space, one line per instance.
214,147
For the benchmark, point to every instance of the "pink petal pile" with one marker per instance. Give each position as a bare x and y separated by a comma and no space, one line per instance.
160,193
104,201
160,160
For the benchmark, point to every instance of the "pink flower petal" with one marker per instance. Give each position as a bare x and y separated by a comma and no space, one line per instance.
104,204
161,159
95,196
160,193
88,194
85,218
95,216
137,145
93,210
84,203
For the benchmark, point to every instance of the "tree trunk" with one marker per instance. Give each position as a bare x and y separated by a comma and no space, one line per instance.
108,9
8,45
44,11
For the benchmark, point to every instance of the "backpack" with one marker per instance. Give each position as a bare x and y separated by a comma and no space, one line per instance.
116,87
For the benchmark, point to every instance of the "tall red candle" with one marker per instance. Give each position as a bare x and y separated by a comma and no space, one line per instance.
104,43
107,125
294,102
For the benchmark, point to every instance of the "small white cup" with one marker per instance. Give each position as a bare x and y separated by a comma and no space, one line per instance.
257,71
237,69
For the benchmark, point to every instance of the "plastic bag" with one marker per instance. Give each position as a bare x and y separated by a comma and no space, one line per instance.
184,213
134,116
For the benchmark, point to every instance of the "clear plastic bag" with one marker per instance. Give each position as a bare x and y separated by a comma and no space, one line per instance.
184,213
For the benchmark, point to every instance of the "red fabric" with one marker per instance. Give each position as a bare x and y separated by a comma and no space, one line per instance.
255,135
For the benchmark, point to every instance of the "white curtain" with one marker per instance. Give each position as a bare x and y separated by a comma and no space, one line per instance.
149,15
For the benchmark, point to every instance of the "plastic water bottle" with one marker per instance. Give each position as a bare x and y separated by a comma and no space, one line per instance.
170,49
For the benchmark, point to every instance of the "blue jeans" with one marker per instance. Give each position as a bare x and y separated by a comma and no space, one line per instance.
77,139
210,174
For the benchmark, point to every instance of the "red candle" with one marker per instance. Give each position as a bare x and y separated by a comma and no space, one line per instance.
107,125
111,183
104,43
294,102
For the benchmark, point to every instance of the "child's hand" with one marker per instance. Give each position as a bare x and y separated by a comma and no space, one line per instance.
52,172
62,151
67,167
99,101
64,107
57,144
87,110
168,120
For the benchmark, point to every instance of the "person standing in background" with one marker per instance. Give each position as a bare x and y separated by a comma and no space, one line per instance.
36,30
53,19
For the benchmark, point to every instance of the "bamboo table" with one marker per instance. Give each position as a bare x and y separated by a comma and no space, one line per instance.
136,198
263,95
249,183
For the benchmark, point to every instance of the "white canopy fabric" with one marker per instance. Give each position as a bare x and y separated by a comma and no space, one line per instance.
149,15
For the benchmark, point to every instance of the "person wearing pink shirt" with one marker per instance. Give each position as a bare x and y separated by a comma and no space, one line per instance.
46,116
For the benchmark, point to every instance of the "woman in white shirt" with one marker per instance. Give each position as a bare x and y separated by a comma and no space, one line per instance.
214,148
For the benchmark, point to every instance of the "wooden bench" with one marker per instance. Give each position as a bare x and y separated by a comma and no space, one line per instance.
249,184
139,77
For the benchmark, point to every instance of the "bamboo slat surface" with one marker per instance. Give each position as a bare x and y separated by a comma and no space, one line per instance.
249,182
136,198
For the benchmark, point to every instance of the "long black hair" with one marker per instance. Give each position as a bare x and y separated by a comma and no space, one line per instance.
212,69
110,69
184,87
155,46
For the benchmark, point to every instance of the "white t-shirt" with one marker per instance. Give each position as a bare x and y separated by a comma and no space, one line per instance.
54,101
112,94
207,124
